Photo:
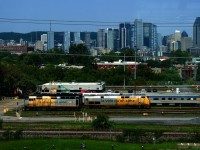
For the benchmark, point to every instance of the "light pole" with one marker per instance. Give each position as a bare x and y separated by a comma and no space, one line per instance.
135,72
124,72
154,142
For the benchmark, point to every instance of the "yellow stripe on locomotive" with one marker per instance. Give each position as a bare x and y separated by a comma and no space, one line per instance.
135,101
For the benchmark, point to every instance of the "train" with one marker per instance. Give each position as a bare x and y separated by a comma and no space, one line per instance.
174,99
86,100
75,95
70,87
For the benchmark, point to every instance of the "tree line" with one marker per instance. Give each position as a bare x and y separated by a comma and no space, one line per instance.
24,72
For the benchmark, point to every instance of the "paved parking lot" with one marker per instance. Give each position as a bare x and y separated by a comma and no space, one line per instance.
8,104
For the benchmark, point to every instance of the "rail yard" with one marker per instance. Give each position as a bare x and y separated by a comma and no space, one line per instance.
45,113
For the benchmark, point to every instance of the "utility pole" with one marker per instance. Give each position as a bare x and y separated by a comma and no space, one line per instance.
135,72
124,73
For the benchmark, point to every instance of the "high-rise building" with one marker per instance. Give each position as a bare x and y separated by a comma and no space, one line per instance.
66,42
150,36
184,34
177,35
77,38
196,32
101,38
112,38
186,43
125,35
88,40
138,33
39,46
50,40
44,38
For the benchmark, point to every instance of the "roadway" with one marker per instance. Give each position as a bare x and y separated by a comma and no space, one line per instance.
134,120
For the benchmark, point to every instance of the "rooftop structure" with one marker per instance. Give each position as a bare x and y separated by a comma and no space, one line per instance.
66,87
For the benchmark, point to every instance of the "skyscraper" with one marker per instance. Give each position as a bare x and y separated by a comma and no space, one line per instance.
87,39
125,34
177,35
101,38
196,32
112,37
138,33
66,42
77,38
50,40
44,38
150,36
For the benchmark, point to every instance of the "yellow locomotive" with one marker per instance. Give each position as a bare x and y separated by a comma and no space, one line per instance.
79,100
116,100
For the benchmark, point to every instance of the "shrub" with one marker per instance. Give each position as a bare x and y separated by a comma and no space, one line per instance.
102,122
17,134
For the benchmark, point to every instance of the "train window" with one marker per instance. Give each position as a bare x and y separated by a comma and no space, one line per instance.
169,98
174,98
91,102
126,96
182,98
97,102
156,98
163,98
102,96
194,99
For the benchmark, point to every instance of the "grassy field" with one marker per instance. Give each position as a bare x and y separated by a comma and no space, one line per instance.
74,144
71,125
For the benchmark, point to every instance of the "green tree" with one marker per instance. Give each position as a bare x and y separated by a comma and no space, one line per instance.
110,57
79,55
32,59
179,57
17,135
101,122
56,51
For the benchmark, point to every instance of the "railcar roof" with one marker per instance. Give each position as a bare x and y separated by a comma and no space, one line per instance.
74,83
171,94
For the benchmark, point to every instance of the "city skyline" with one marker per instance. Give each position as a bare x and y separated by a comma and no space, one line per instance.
77,16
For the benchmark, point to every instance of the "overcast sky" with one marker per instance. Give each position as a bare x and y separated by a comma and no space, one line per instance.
179,14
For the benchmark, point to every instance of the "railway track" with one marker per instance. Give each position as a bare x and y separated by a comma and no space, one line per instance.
93,112
90,133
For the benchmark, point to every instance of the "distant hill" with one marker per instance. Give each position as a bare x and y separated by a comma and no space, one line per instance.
34,36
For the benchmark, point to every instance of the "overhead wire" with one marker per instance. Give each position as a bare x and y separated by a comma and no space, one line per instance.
87,22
